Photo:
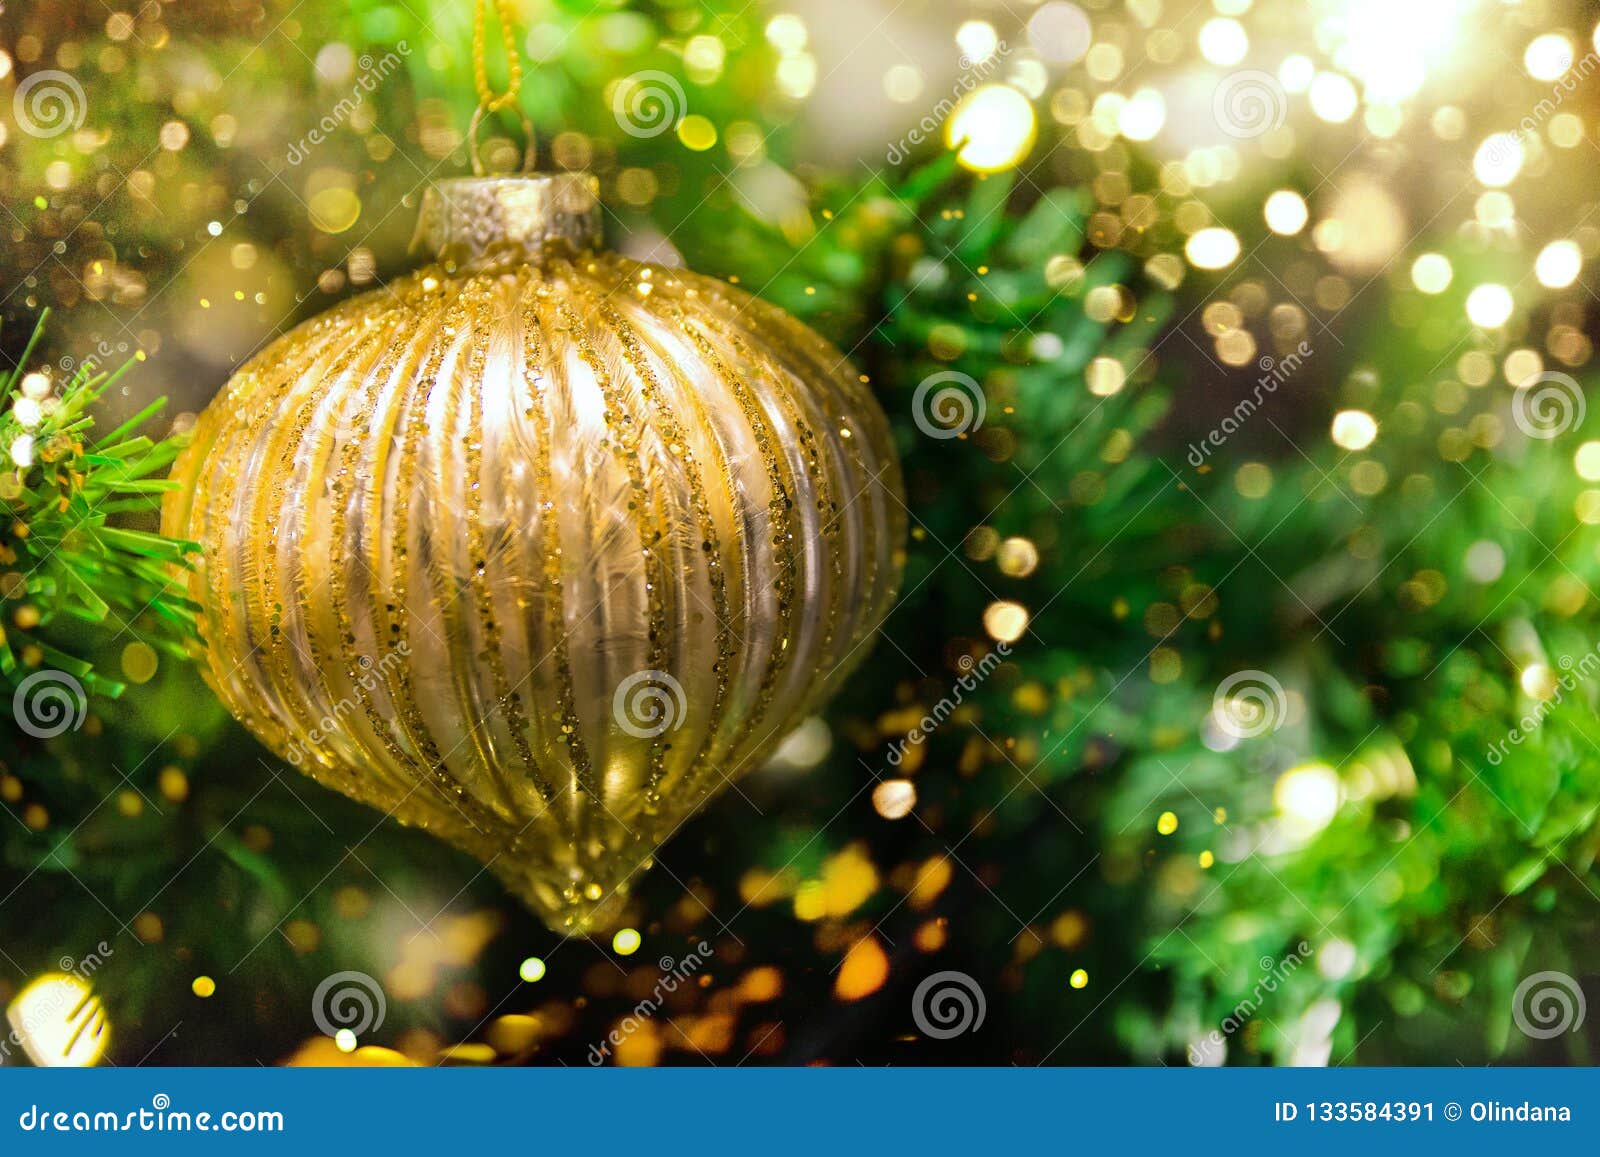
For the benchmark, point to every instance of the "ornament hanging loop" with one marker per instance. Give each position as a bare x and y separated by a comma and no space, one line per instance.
482,114
489,101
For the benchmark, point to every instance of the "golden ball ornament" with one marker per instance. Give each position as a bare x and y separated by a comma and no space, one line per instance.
538,548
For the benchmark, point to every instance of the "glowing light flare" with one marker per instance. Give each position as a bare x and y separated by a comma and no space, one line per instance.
1498,160
1017,557
59,1022
1005,621
1489,306
1558,264
697,133
1214,248
1141,118
978,40
992,128
1586,460
1307,797
1548,57
893,799
1354,429
1538,681
1296,73
1391,47
1333,97
1105,377
1432,273
1286,212
1223,41
787,32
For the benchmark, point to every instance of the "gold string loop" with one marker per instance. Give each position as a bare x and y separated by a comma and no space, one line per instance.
489,101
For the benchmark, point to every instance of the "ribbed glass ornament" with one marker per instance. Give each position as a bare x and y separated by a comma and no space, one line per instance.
538,548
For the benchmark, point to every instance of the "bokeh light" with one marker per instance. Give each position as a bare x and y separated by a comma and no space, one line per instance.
992,128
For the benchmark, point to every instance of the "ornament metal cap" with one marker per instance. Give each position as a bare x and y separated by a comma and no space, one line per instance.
472,222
